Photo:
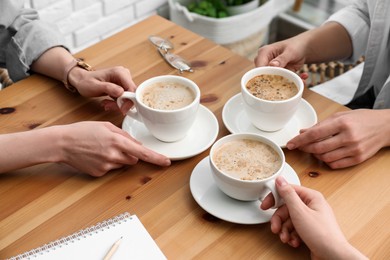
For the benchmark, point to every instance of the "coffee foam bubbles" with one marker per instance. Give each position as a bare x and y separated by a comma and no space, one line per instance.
247,159
167,96
272,87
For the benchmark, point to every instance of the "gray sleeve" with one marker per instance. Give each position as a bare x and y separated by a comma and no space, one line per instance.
31,37
355,19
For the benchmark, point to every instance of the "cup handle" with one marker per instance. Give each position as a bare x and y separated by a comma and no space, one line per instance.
278,200
133,111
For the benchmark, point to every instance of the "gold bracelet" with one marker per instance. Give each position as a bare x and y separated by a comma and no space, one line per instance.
75,63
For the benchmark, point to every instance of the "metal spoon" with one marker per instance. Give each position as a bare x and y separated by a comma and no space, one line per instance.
163,47
176,61
161,43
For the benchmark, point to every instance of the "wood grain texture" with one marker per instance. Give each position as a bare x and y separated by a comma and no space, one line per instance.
45,202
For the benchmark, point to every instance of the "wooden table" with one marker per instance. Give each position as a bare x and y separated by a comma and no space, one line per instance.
45,202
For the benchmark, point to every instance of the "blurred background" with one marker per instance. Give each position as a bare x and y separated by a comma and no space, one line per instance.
86,22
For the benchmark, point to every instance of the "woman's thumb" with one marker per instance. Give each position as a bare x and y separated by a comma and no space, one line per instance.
287,192
280,61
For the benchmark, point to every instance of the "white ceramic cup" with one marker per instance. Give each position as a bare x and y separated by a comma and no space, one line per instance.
165,125
269,115
247,190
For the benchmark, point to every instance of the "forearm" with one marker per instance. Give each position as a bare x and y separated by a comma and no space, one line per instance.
19,150
53,62
326,43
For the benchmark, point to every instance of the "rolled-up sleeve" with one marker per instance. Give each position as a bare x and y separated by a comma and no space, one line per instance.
30,38
355,19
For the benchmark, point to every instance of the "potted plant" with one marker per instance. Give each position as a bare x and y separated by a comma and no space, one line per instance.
222,8
229,29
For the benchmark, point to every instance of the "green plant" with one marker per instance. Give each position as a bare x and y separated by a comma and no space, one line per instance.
211,8
215,8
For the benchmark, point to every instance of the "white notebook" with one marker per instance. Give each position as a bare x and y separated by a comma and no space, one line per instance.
96,241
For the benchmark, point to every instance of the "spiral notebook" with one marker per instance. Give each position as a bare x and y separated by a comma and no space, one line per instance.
96,241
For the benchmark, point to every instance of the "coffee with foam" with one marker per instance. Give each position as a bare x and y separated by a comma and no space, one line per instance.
167,96
247,159
272,87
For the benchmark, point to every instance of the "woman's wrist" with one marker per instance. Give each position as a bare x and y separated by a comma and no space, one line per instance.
74,72
340,251
50,137
74,76
350,252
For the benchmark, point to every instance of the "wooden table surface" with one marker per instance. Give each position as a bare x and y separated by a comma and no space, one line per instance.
45,202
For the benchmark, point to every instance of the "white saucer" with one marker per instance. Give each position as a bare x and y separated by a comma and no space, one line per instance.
214,201
200,137
236,121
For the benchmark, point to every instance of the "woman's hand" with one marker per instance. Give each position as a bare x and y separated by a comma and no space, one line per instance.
104,82
346,138
91,147
110,82
312,46
306,216
286,54
98,147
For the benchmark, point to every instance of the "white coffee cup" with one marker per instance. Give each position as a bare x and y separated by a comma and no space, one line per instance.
243,189
165,125
268,115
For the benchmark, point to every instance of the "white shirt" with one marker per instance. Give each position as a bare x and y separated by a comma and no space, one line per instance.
368,24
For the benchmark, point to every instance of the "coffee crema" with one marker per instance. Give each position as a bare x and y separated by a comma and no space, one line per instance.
167,96
272,87
247,159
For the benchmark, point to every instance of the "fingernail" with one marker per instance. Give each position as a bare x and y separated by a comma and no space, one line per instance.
167,162
122,111
290,146
304,75
275,63
281,181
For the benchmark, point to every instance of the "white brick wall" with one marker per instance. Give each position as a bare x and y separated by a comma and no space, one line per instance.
86,22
